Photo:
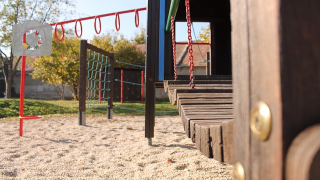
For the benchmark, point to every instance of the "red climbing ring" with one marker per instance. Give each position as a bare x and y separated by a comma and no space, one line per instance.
55,32
95,24
75,28
37,37
117,21
136,17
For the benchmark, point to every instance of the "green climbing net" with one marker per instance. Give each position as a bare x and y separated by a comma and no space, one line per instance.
97,80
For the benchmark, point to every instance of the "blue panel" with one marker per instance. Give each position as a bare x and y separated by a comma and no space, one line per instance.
162,24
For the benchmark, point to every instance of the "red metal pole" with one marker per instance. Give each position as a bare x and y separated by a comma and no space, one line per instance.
23,66
141,87
121,86
100,86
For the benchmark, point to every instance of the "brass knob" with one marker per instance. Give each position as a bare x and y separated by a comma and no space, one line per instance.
238,172
260,121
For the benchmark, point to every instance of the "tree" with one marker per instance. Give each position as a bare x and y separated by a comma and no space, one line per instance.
204,35
123,49
14,12
140,38
61,69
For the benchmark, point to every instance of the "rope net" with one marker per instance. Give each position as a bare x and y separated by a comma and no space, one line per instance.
97,80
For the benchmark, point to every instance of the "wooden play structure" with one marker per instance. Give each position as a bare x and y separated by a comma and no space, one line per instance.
260,107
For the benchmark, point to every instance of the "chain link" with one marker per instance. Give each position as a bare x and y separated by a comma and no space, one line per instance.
191,65
174,49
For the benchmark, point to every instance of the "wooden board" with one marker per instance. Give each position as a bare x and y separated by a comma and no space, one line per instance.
228,142
216,142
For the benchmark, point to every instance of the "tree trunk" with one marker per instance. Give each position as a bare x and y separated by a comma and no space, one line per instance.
9,81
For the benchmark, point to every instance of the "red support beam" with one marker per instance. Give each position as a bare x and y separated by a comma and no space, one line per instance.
141,87
121,86
194,43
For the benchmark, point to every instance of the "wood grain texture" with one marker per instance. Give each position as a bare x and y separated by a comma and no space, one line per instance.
264,43
302,161
205,148
240,76
216,142
228,142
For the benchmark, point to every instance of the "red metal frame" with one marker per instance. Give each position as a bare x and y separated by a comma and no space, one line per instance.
22,83
75,28
117,22
142,87
121,87
100,92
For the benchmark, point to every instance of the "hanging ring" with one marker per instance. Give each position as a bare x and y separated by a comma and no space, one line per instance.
75,28
117,21
55,32
136,17
95,25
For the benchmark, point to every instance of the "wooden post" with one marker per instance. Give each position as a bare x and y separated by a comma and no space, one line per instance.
110,87
121,91
151,61
142,87
208,70
82,82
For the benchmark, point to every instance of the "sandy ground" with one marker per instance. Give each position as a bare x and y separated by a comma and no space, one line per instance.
58,148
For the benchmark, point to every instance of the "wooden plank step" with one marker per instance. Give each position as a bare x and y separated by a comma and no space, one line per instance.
205,106
208,90
173,82
203,101
214,139
186,120
203,95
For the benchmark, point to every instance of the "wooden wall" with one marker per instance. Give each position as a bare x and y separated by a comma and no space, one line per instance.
276,60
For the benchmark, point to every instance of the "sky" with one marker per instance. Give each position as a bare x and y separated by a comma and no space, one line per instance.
86,8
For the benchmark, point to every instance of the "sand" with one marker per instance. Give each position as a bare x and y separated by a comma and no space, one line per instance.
58,148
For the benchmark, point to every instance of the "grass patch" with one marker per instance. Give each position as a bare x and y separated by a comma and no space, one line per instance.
10,108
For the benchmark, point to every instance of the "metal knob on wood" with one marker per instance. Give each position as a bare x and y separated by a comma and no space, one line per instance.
260,121
238,172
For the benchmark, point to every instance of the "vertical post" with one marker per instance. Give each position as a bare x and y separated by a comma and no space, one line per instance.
82,82
208,72
110,87
22,85
121,89
151,66
100,86
141,87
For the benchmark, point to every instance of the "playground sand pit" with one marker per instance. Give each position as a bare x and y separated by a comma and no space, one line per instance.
58,148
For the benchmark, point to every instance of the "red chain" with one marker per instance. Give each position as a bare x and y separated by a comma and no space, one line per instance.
174,49
190,44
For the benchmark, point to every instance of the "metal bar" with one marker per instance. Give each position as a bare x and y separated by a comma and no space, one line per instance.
208,72
141,87
172,12
162,13
194,43
82,83
100,86
99,16
110,85
23,67
121,87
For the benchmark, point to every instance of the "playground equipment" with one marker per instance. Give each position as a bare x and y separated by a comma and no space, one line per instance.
93,82
266,122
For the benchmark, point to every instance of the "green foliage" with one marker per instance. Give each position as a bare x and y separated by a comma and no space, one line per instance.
204,35
62,67
140,38
10,108
123,49
14,12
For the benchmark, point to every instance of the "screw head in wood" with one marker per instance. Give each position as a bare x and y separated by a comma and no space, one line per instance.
238,172
260,121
